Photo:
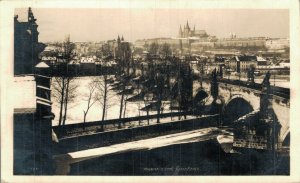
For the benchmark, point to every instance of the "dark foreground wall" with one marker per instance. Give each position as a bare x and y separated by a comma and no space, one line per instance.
125,135
32,145
199,158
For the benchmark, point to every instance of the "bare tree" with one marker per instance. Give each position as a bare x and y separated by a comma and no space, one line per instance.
121,106
124,92
90,98
159,89
125,105
147,98
103,95
64,92
64,88
139,103
71,88
58,92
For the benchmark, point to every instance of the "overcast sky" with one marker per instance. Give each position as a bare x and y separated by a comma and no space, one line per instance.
133,24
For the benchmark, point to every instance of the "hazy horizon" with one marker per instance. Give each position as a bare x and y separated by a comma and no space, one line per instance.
95,25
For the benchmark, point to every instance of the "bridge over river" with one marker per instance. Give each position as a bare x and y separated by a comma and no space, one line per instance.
235,99
222,103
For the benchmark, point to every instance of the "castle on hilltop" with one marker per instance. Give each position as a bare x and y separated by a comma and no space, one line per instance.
188,32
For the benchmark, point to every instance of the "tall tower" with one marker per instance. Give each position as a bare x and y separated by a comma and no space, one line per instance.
118,40
26,45
32,25
194,30
187,25
180,32
187,29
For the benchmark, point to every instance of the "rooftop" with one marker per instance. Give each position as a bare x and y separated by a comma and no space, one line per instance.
24,110
42,65
24,92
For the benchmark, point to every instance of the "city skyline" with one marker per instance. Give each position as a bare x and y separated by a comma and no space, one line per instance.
134,24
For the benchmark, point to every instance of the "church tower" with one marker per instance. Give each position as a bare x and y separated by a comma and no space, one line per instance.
194,30
180,32
187,30
118,40
187,25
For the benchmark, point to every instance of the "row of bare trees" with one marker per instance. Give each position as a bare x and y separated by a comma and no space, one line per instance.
65,87
100,89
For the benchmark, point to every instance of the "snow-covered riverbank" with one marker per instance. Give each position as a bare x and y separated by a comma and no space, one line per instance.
75,109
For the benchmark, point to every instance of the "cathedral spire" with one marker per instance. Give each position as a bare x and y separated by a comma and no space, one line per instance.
187,24
122,39
118,40
180,31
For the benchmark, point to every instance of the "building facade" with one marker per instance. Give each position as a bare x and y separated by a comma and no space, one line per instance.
234,42
277,44
26,44
243,63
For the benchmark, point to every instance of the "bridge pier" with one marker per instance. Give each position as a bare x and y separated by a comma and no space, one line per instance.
267,115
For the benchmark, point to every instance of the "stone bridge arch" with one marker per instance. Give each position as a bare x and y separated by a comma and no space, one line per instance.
236,107
229,92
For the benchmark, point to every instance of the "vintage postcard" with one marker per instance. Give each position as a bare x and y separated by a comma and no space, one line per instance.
127,91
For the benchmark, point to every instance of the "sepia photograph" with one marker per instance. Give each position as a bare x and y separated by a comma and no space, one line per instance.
128,91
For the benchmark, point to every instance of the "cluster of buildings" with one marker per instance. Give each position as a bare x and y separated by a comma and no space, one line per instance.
193,41
234,53
237,54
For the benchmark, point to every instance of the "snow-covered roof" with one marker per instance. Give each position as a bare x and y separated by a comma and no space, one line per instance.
24,91
260,59
87,60
48,58
42,65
